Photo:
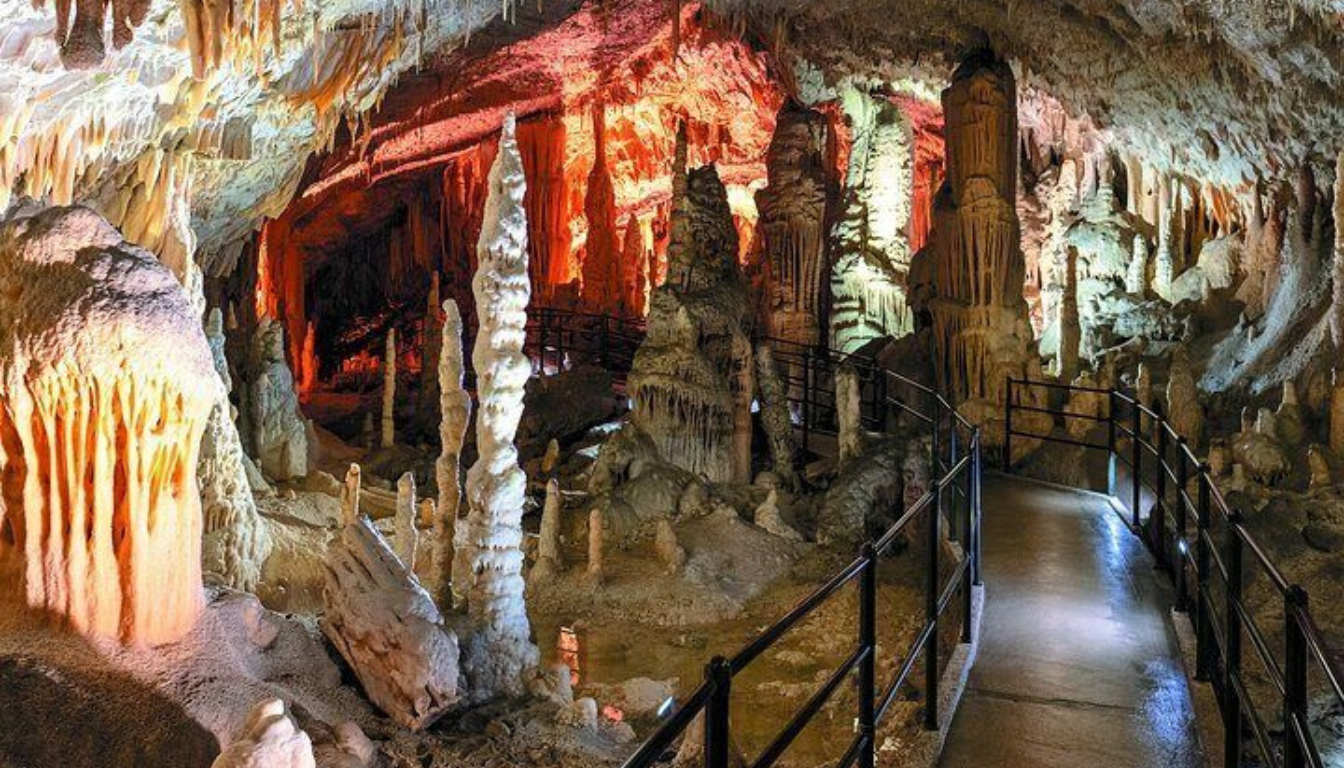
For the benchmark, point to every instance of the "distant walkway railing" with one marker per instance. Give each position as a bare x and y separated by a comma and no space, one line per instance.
1209,566
561,337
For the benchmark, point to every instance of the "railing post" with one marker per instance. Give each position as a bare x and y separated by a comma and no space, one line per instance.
931,610
968,550
1136,464
953,519
807,398
1294,676
1203,612
1157,521
978,523
717,749
1008,429
1232,557
560,345
1182,483
1112,401
868,667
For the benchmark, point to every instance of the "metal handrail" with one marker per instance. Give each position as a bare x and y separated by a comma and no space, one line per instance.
1218,648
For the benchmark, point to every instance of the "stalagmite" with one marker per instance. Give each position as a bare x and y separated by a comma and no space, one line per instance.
792,224
489,539
1184,410
428,398
106,386
550,557
1318,465
1337,413
665,545
551,459
236,541
744,390
775,417
454,415
1337,264
1164,270
388,628
848,410
406,533
1218,457
350,496
687,374
635,268
1136,278
388,435
596,540
269,739
980,327
279,431
1070,331
603,285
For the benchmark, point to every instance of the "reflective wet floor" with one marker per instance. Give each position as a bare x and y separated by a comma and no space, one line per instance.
1078,663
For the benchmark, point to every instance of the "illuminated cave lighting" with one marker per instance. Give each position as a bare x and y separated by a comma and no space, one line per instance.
568,646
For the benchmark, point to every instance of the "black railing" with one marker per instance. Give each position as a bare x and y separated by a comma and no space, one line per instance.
557,338
1205,564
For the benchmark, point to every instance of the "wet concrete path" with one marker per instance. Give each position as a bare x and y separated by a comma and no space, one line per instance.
1078,663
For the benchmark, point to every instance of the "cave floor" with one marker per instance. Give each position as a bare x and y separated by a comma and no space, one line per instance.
1078,662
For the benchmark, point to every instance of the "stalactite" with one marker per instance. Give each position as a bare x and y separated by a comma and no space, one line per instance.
635,267
431,348
406,533
105,389
490,537
1070,331
542,144
454,415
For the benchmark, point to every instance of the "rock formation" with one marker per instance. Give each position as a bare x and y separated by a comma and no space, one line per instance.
684,381
550,557
1185,412
1136,279
428,397
596,541
603,285
279,432
870,248
236,542
775,417
1070,331
269,739
388,435
406,533
1337,266
489,539
980,328
791,229
388,628
665,545
454,415
106,386
849,414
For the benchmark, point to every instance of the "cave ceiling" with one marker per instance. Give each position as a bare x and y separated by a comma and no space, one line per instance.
1227,91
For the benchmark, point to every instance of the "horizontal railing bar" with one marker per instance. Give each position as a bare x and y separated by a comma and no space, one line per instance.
1122,429
799,612
1301,733
1056,439
1275,577
1316,645
923,503
950,590
1253,717
1261,647
1057,385
667,733
809,710
856,747
1065,414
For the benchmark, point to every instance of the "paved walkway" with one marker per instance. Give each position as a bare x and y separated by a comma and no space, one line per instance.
1077,663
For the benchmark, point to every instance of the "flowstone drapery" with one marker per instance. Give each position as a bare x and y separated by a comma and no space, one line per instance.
106,385
981,331
686,378
489,540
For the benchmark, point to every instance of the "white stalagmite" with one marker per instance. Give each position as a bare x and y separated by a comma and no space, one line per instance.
1136,279
1070,330
848,409
489,539
455,413
405,521
550,560
596,537
350,495
271,739
389,433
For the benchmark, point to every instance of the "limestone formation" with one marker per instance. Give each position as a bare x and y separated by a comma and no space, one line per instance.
768,517
1136,278
980,329
551,458
550,556
269,739
388,628
428,398
279,431
236,541
454,415
106,386
603,284
596,541
1318,466
665,545
1260,453
775,417
870,245
1337,413
489,539
350,495
1218,457
406,534
1290,418
849,414
388,435
744,392
1337,264
792,224
687,374
1070,331
1185,412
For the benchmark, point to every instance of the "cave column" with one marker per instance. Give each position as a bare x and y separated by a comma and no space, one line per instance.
981,330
